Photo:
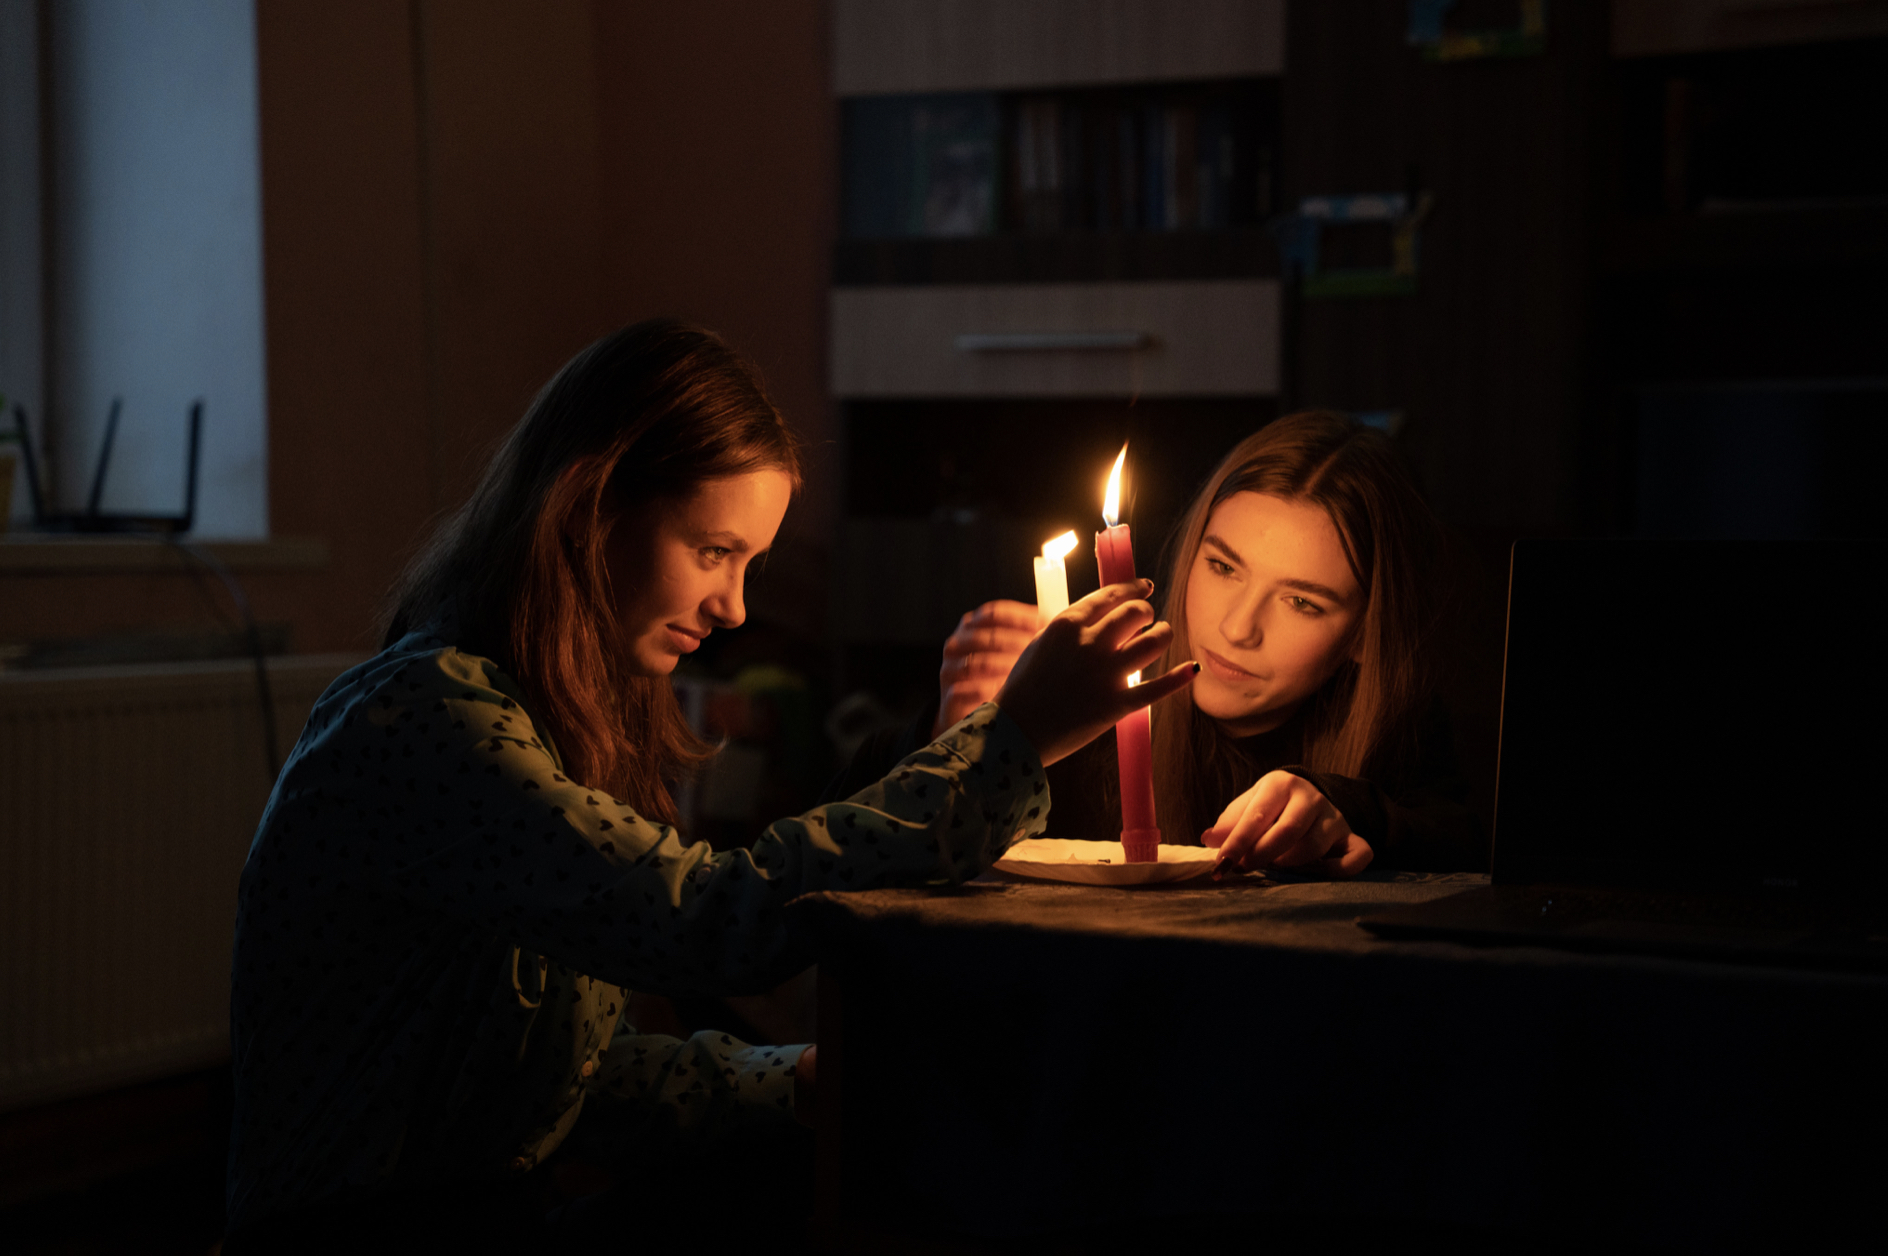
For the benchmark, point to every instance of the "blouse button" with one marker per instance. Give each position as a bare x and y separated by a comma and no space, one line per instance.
589,1067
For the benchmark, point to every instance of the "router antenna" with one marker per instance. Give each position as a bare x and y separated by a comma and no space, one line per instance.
190,470
104,457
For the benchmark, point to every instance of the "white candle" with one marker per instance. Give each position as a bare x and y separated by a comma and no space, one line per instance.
1052,578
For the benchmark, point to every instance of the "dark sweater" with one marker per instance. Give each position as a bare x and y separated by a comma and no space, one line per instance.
1417,821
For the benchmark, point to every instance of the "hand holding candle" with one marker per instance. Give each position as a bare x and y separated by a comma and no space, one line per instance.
1071,683
978,656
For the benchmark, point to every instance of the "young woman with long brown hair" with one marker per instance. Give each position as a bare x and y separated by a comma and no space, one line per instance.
469,859
1301,578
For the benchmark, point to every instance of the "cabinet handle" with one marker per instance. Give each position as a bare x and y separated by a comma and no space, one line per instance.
1037,341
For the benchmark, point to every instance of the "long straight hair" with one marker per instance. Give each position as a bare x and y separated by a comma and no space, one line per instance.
1360,721
651,411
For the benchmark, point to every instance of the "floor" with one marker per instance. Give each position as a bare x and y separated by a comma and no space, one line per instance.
137,1171
173,1210
140,1170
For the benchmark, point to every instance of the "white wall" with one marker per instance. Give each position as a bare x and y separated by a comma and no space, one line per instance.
157,254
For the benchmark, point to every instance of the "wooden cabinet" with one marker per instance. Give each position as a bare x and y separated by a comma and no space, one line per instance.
1052,239
883,46
1196,338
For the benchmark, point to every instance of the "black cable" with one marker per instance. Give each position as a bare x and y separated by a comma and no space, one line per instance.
251,634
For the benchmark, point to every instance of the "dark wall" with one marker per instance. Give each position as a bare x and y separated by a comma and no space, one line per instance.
1486,359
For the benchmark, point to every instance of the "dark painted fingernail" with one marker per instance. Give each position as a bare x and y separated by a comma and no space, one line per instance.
1196,669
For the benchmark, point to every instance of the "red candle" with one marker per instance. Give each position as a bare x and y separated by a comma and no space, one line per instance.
1133,736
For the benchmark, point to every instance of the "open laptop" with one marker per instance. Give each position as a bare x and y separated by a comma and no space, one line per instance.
1692,756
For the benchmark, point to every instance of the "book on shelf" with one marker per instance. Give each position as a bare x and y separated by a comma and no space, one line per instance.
970,164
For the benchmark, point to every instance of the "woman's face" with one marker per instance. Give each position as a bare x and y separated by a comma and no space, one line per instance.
678,565
1271,604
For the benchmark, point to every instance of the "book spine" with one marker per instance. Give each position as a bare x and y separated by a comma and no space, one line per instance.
1183,148
1215,169
1049,138
1028,176
1074,169
1128,171
1153,169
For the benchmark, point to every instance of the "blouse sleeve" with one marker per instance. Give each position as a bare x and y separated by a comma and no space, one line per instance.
1422,822
1420,831
695,1090
468,813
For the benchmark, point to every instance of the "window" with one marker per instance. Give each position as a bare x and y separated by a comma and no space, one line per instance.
131,250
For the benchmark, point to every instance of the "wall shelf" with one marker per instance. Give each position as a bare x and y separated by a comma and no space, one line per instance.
1650,28
1062,257
29,554
998,45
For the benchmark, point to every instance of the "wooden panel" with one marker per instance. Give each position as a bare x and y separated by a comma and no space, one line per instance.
968,45
1209,338
1643,28
345,319
718,169
509,127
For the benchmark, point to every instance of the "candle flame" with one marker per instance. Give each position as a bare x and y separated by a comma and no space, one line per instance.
1057,549
1111,501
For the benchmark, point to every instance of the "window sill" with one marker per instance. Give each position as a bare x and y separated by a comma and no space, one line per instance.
28,554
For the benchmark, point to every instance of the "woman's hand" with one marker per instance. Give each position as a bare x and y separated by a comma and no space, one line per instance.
978,657
1071,682
1285,821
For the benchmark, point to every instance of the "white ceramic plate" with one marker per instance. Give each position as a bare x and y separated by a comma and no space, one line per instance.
1102,863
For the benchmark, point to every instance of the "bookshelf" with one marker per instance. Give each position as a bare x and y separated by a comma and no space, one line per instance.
1052,238
1741,266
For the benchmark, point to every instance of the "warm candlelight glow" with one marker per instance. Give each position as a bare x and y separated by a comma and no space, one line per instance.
1111,502
1052,577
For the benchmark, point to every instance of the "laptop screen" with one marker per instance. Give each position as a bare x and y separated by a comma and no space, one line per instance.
1693,714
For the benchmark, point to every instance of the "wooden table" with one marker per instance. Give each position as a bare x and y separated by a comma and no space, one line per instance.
1009,1061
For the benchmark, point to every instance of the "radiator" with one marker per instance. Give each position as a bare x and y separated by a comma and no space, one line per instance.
128,797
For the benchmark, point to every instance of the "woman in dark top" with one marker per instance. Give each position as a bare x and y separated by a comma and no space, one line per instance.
1312,740
470,859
